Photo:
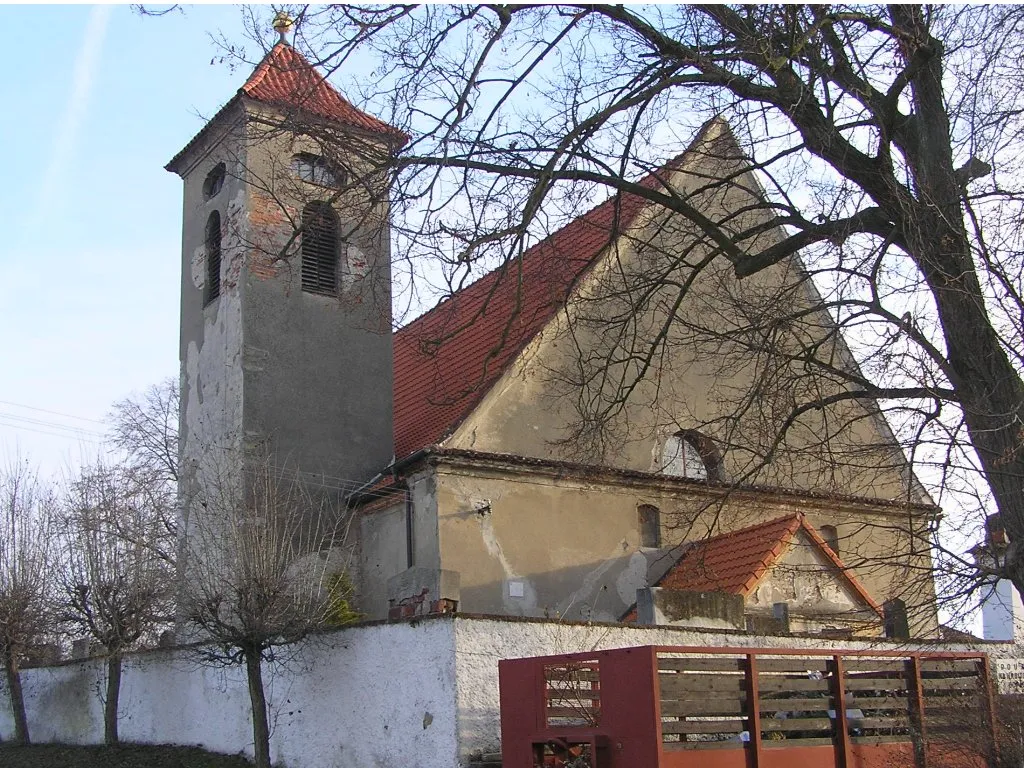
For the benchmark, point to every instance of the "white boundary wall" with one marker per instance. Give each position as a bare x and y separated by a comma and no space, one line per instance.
416,694
375,696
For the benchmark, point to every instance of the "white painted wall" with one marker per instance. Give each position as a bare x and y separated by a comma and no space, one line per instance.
418,694
373,697
1002,613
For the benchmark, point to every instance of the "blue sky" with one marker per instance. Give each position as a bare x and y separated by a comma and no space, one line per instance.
97,99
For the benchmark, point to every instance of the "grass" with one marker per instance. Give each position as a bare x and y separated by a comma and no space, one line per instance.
122,756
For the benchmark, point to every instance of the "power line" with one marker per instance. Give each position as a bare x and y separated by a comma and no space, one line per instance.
50,424
65,435
54,413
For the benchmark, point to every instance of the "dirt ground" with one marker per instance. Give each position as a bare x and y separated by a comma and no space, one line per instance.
124,756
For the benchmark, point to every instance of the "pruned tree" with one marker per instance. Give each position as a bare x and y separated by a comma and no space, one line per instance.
262,557
115,586
886,142
26,569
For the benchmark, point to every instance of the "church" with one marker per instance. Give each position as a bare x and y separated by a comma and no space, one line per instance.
464,444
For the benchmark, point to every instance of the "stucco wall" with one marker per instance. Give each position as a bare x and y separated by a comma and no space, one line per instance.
366,697
383,554
707,374
537,543
318,374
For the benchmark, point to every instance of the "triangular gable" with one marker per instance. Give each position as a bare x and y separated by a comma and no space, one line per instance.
737,562
449,358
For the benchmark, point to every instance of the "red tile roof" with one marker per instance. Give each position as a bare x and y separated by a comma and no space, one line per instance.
286,79
483,327
736,562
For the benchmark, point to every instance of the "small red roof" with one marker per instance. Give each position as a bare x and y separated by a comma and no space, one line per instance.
447,359
736,562
286,79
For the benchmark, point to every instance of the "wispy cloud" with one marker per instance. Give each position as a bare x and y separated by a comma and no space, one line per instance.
70,122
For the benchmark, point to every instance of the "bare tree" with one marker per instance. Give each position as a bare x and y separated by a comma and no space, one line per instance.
145,429
144,436
26,563
885,140
116,587
261,559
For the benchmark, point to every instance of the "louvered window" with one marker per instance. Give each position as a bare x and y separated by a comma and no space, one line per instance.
320,249
212,257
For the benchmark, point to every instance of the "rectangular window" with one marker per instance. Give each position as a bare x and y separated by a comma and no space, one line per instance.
650,525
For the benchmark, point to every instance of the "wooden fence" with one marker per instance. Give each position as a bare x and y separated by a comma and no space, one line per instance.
734,708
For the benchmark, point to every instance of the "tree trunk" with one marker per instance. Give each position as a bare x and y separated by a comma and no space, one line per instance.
258,699
17,698
989,389
113,695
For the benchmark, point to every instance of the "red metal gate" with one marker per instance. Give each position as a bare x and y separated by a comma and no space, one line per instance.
680,707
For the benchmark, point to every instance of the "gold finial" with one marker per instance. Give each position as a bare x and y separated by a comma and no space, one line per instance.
283,24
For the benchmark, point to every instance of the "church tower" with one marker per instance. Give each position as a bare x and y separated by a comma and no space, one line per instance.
285,342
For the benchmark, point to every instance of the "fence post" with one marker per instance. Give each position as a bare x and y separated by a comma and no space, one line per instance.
990,705
842,729
917,713
754,708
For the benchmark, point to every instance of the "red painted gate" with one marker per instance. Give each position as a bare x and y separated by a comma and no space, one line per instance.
682,707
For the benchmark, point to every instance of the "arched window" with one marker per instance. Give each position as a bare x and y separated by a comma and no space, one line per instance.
649,519
831,537
212,257
693,455
320,249
315,170
214,181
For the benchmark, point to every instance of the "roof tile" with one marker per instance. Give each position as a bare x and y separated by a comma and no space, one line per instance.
285,78
447,359
735,562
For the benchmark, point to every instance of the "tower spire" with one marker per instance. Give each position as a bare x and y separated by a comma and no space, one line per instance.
283,23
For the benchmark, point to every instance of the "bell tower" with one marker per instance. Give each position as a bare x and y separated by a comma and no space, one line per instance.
285,336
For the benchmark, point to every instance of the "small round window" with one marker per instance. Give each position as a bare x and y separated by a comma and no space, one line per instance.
214,181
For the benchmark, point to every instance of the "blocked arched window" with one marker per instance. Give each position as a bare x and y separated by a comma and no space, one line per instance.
212,257
649,520
320,249
831,537
692,455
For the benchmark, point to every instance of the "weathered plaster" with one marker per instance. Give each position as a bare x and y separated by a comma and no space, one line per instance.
366,697
573,542
687,386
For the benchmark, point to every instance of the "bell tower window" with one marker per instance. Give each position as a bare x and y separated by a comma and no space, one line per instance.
212,258
214,181
320,243
315,170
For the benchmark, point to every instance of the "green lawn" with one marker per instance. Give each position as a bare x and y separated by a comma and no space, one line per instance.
124,756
